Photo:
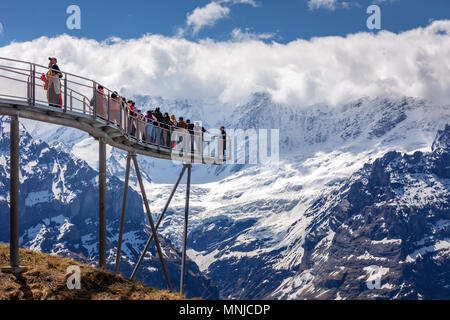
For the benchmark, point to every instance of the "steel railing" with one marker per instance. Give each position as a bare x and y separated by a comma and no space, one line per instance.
80,95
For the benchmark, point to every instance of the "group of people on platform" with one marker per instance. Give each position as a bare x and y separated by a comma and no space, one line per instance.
154,127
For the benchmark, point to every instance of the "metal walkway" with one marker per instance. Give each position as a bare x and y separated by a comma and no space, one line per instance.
107,119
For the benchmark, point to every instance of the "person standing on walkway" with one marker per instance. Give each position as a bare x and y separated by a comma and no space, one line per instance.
223,145
53,84
158,126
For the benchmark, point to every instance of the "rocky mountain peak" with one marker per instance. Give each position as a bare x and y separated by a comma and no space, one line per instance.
442,141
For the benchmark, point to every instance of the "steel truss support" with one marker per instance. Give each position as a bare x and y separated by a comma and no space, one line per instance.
144,252
122,219
102,204
14,199
132,156
150,239
186,216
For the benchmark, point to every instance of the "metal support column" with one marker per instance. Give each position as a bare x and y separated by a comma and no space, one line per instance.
122,219
150,239
150,219
186,216
102,204
14,199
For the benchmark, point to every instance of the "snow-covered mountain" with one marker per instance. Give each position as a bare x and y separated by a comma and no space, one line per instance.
392,215
59,214
249,229
264,232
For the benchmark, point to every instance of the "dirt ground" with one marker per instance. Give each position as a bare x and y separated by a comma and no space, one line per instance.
46,279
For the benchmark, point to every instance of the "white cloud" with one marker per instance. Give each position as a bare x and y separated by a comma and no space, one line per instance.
206,16
329,70
238,35
326,4
253,3
334,4
1,28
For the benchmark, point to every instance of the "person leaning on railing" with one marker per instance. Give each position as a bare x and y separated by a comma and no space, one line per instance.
150,128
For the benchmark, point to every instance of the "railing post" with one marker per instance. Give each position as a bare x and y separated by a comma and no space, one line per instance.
71,100
120,114
137,128
33,83
158,135
29,88
109,110
125,119
65,93
94,99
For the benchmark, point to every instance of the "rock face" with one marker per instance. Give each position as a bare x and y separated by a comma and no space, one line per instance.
59,214
385,233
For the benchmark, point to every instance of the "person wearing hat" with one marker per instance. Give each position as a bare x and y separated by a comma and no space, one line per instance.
54,84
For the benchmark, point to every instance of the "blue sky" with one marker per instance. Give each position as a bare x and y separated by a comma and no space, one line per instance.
280,20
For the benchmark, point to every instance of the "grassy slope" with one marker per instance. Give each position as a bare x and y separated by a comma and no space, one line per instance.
46,280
